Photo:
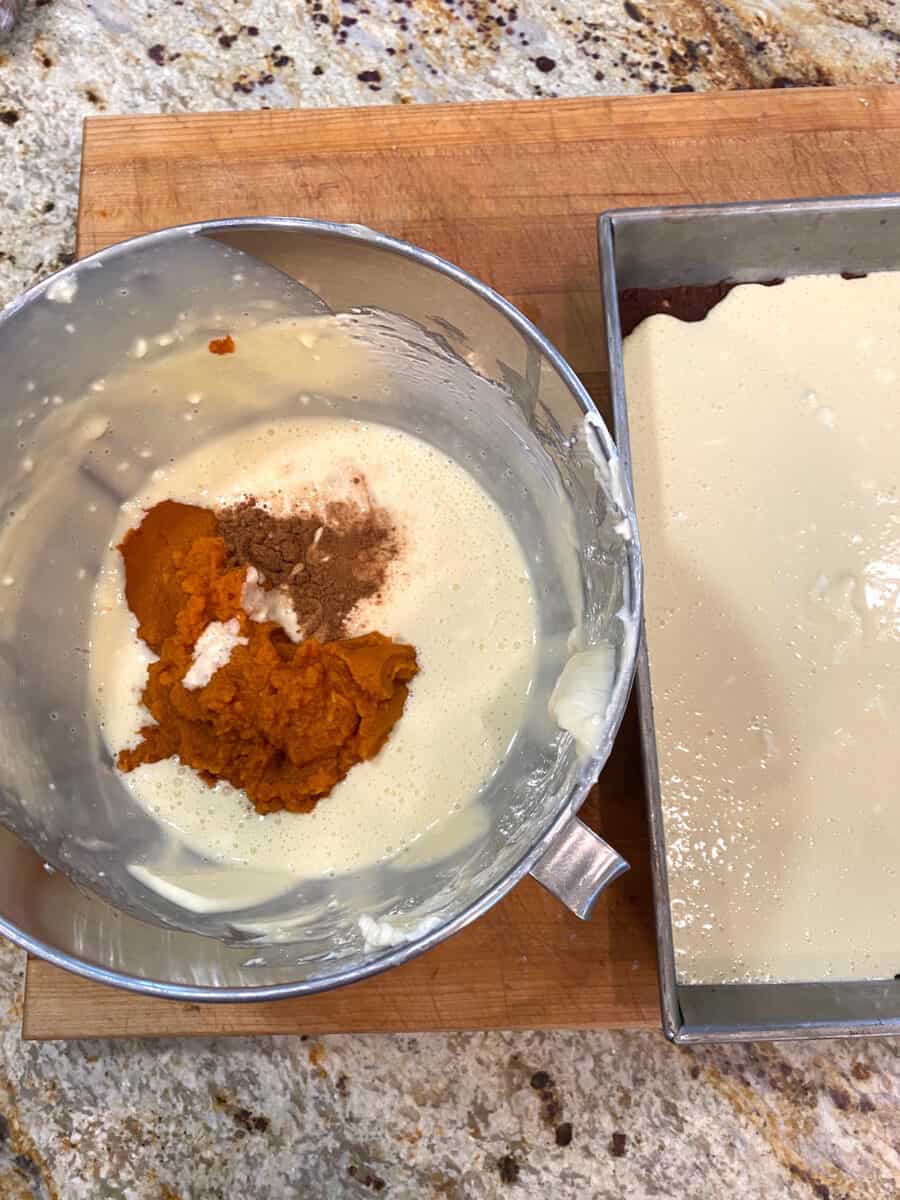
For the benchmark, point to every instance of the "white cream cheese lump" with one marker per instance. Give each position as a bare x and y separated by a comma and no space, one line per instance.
765,448
212,651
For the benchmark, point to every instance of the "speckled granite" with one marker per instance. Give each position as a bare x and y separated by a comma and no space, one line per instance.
602,1115
68,59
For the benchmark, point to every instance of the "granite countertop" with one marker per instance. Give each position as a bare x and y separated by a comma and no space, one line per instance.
599,1114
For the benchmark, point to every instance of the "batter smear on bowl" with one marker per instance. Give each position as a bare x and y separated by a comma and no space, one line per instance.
236,698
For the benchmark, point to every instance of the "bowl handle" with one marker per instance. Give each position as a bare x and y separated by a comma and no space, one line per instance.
577,867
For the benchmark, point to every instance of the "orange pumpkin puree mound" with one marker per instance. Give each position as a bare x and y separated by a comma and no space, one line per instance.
284,722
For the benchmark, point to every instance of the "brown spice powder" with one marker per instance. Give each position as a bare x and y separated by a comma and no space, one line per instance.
329,561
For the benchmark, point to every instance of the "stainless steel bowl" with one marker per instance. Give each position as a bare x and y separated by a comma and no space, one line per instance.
461,368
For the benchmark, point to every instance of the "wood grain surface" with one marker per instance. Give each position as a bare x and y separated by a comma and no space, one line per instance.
511,192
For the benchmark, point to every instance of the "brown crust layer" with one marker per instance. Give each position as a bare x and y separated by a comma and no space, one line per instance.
688,303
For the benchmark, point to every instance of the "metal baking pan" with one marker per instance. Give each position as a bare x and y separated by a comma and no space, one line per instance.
743,243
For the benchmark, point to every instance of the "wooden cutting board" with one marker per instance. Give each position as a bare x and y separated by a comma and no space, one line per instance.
511,192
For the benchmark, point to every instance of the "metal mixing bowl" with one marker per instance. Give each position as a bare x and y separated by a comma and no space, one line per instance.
458,366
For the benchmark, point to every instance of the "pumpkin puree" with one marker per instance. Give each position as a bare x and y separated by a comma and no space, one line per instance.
285,722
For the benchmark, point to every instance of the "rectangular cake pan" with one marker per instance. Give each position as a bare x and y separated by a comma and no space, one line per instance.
744,243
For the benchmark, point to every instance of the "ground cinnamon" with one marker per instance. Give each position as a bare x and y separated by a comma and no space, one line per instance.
328,561
284,722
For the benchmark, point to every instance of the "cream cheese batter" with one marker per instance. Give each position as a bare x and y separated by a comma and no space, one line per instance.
460,593
765,449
